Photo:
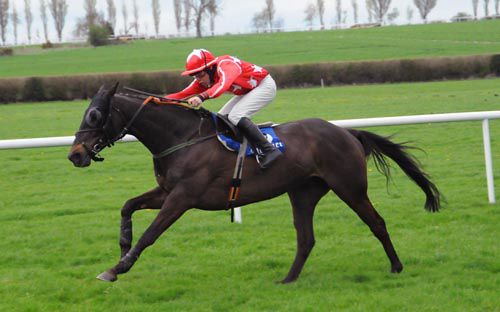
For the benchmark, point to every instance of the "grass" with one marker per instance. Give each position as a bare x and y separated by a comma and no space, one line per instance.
395,42
59,224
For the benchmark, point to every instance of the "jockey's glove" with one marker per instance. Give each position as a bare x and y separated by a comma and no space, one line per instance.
196,101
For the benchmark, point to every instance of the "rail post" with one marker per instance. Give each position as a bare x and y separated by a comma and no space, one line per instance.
488,161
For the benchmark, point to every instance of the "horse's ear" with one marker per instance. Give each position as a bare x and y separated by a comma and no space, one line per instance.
100,89
112,91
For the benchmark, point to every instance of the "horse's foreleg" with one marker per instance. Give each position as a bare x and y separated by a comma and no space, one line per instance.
149,200
304,200
170,211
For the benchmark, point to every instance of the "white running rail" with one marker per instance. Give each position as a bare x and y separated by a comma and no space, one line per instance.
484,116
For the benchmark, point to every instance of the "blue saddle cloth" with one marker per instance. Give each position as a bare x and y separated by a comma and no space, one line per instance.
268,132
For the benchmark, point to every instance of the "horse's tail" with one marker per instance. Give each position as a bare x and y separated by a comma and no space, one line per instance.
379,146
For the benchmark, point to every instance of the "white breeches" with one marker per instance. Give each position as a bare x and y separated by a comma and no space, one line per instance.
249,104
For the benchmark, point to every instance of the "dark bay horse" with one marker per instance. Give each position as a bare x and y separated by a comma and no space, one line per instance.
319,157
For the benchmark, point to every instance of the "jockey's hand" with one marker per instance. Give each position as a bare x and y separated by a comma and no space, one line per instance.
195,101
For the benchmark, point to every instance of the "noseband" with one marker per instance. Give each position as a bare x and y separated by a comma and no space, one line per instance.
99,146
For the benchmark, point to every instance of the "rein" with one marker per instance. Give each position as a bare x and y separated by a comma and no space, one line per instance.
158,99
162,100
102,143
106,141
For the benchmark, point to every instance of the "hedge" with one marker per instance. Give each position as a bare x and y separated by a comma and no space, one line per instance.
34,89
63,88
391,71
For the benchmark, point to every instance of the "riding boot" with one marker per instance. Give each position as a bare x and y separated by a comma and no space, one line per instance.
266,152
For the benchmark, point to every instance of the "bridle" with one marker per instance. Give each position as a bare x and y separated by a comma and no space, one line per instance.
99,146
108,140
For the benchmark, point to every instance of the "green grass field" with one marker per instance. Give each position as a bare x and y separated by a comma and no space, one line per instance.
414,41
60,224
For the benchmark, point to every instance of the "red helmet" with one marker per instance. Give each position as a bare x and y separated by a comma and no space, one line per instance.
198,60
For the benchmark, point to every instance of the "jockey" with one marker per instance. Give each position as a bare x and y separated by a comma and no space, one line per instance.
252,85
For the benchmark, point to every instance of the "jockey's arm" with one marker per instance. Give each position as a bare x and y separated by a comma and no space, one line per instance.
194,88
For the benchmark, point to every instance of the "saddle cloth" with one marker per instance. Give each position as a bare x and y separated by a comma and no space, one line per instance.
268,132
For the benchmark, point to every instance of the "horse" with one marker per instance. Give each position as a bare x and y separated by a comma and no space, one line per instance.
193,170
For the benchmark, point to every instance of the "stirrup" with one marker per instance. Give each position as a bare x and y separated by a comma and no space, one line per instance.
265,160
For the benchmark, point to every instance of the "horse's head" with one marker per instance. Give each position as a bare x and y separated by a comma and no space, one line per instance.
96,130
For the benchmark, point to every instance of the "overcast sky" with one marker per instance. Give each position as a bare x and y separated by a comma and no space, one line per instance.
235,15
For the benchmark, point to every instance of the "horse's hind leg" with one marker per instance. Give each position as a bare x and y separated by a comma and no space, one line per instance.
304,199
353,191
369,215
149,200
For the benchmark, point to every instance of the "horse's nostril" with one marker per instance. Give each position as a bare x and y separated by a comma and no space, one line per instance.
74,157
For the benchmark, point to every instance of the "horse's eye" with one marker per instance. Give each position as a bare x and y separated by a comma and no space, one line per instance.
93,118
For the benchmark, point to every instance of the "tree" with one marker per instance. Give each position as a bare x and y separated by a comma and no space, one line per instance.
213,11
125,18
187,14
28,16
391,17
111,14
497,4
15,21
379,8
98,34
355,10
338,12
156,15
43,15
90,19
409,14
474,7
59,9
310,12
90,12
4,18
266,16
486,7
178,14
135,24
259,21
200,9
279,23
320,5
425,7
270,12
93,25
369,9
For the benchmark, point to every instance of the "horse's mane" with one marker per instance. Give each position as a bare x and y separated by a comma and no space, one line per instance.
131,96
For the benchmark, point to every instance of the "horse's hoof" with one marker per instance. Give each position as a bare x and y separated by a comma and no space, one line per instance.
286,281
107,276
397,268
